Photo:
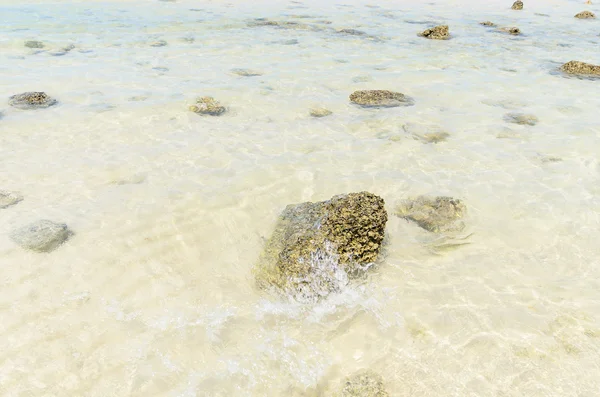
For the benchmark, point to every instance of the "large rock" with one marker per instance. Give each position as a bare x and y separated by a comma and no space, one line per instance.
364,384
441,32
435,214
9,198
317,247
517,5
31,100
585,15
380,98
41,236
582,68
208,105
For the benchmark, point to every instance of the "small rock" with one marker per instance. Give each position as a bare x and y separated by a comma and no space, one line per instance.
426,133
488,23
585,15
352,32
380,98
246,72
320,112
521,118
435,214
9,198
364,384
517,5
441,32
34,44
511,30
31,100
159,43
362,79
41,236
208,105
576,67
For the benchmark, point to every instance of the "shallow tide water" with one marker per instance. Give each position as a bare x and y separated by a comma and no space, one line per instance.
154,294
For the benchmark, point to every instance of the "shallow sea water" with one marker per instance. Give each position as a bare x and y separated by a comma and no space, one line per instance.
154,295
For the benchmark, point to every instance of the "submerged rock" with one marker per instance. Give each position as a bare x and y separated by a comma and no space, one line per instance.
426,133
34,44
352,32
62,51
364,384
435,214
517,5
521,118
41,236
320,112
208,105
511,30
585,15
488,23
441,32
577,67
317,247
380,98
246,72
158,43
31,100
9,198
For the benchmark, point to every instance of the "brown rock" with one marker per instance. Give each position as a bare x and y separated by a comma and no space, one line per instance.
441,32
581,68
380,98
585,15
517,5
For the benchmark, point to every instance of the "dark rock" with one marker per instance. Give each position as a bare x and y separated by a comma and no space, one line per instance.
488,23
41,236
208,105
517,5
364,384
441,32
317,247
31,100
380,98
581,68
585,15
521,118
34,44
435,214
9,198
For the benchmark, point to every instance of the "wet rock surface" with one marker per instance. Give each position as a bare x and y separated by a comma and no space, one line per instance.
585,15
317,247
31,100
364,384
435,214
208,105
380,98
581,68
34,44
9,198
41,236
517,5
441,32
521,118
320,112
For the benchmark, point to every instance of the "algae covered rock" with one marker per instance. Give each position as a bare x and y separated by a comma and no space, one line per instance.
320,112
517,5
31,100
441,32
380,98
585,15
581,68
521,118
317,247
364,384
9,198
435,214
208,105
41,236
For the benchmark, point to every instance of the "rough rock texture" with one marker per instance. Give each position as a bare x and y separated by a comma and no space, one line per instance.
246,72
585,15
31,100
9,198
34,44
208,105
441,32
521,118
380,98
488,23
317,247
511,30
576,67
320,112
517,5
41,236
435,214
364,384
